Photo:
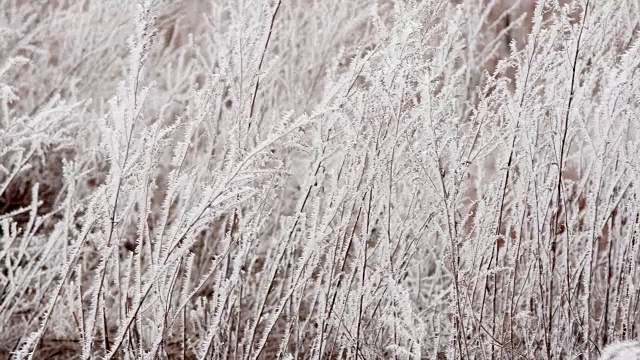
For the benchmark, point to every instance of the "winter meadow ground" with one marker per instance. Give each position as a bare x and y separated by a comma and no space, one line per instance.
305,179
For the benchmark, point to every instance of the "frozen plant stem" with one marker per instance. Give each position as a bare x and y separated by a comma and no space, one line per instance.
264,53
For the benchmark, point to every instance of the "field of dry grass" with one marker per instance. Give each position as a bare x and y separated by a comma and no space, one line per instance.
298,179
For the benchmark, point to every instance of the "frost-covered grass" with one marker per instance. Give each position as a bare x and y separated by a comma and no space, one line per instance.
301,179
